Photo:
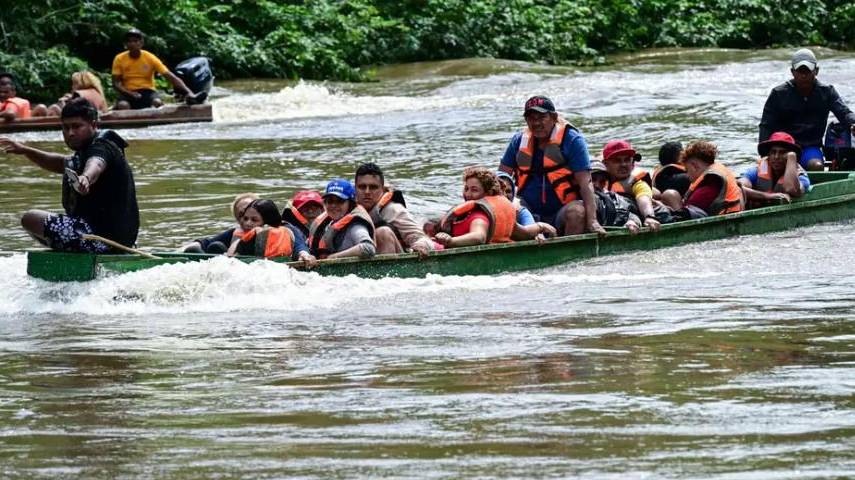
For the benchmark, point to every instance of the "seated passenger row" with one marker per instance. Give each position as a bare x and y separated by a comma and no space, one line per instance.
371,218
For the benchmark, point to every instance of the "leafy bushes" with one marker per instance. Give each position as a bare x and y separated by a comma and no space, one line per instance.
44,42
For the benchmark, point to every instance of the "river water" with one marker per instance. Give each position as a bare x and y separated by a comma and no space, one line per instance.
726,359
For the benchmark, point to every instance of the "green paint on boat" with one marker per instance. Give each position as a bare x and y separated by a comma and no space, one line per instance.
832,199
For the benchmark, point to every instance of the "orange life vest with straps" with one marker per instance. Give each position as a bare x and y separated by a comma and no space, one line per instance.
271,241
677,167
624,187
499,210
389,196
21,107
765,182
294,217
323,231
729,199
554,164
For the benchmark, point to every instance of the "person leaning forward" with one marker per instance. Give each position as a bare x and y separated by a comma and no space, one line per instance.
133,75
98,191
395,228
777,177
550,162
800,108
630,181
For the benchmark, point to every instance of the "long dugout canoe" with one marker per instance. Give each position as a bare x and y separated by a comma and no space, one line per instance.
145,117
831,199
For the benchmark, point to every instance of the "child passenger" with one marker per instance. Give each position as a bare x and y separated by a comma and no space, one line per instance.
264,235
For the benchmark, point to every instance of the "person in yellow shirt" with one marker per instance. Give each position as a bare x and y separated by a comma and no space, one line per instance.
630,181
133,75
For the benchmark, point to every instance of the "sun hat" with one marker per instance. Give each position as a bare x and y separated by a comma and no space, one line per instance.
618,147
780,139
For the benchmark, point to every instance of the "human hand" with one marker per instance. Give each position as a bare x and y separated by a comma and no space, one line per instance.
546,230
9,146
652,224
540,239
632,227
309,260
421,249
442,238
595,227
781,198
82,186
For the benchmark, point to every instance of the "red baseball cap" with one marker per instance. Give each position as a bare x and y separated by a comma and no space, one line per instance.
780,139
305,196
618,147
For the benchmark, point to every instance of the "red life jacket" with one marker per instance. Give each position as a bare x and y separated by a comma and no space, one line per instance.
271,241
499,210
624,187
729,199
554,164
21,107
323,232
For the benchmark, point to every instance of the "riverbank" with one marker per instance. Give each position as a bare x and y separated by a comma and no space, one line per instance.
335,40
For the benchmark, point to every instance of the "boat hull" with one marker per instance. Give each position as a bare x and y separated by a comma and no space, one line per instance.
832,200
122,118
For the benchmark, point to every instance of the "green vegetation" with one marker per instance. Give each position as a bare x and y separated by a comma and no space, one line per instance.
43,42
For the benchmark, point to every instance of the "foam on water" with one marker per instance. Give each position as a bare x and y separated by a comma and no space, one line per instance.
223,285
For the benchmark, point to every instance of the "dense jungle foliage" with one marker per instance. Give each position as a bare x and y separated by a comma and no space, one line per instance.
44,41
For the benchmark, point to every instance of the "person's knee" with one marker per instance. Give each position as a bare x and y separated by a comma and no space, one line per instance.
386,240
33,221
122,105
156,102
574,218
54,110
672,199
39,110
815,164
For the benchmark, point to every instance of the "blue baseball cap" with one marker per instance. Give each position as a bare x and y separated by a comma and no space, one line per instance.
340,188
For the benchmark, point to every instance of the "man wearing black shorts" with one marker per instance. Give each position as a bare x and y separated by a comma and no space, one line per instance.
98,191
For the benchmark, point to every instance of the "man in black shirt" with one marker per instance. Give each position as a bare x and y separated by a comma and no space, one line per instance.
800,107
98,191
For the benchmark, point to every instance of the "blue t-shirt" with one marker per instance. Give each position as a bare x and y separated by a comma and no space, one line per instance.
575,151
752,175
524,217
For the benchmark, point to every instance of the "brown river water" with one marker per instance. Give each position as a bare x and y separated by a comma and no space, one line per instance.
720,360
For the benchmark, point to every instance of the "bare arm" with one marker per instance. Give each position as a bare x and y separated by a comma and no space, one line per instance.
117,84
8,115
791,184
645,208
52,162
93,169
477,235
758,197
531,231
178,84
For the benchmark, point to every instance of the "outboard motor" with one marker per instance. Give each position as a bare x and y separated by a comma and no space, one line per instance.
838,148
197,75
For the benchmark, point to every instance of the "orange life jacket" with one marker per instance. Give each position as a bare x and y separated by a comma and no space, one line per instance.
679,167
624,187
323,231
22,107
554,164
389,196
294,217
499,210
729,199
765,182
271,241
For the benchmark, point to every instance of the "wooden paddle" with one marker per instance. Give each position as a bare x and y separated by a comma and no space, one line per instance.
114,244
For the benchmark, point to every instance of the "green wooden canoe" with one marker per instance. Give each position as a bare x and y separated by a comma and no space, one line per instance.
832,199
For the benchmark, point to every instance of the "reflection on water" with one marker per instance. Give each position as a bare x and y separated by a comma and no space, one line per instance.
728,359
